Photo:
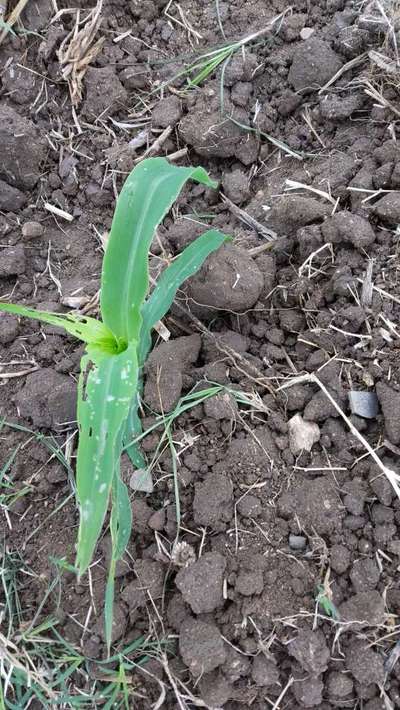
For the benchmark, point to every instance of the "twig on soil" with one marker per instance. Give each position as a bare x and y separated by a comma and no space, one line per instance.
371,91
154,148
295,185
392,476
350,335
10,653
283,693
19,373
367,286
220,25
345,68
384,294
277,143
391,24
183,22
307,263
259,250
307,118
249,220
78,50
172,157
58,212
181,699
383,62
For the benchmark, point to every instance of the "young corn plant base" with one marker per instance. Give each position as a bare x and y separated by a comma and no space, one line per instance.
116,348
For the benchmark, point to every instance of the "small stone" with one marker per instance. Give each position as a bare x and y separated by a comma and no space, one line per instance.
141,480
306,32
297,542
32,230
364,404
201,646
302,435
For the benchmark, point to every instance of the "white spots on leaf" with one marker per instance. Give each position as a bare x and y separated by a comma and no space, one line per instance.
87,508
102,488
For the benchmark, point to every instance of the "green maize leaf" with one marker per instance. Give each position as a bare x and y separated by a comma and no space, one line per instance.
121,527
87,329
133,428
109,604
121,518
146,197
103,406
155,308
168,283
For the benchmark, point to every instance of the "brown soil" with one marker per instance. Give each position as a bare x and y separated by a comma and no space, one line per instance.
265,524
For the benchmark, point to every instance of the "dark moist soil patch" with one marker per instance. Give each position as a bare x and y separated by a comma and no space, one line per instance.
284,582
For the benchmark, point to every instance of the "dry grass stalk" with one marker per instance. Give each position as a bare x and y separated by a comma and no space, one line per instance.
392,476
78,50
13,16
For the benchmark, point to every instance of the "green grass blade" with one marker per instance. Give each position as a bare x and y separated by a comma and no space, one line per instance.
209,68
87,329
145,199
160,301
104,398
